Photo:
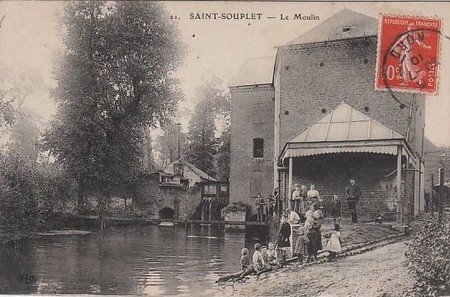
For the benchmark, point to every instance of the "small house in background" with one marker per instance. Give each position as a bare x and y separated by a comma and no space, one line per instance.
182,173
181,192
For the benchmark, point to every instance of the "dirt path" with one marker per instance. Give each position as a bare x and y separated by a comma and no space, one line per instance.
381,272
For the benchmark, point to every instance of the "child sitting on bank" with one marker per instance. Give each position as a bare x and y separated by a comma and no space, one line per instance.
246,267
334,243
258,260
265,256
272,255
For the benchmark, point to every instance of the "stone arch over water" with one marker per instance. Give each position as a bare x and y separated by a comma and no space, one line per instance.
167,213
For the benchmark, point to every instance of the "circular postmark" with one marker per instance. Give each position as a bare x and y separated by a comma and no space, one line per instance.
408,55
413,70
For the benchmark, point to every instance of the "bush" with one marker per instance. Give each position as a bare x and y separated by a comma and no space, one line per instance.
235,207
18,199
30,193
429,256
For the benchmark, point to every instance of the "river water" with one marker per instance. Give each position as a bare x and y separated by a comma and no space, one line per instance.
152,260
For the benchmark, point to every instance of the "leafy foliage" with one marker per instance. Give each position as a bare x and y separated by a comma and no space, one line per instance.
115,79
7,114
24,137
29,194
148,161
223,154
167,143
235,207
429,256
18,198
202,143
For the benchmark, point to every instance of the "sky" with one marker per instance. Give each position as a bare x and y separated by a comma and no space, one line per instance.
29,38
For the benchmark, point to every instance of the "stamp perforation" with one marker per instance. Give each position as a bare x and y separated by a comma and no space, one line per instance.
407,89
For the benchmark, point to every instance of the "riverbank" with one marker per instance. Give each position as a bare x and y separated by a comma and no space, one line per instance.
380,272
355,238
354,234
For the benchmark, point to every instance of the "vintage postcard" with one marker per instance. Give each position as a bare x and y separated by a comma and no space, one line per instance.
206,148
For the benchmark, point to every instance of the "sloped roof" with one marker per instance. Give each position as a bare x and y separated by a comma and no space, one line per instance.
198,171
344,24
191,166
345,123
254,71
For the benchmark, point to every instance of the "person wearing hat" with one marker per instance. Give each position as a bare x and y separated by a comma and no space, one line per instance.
353,193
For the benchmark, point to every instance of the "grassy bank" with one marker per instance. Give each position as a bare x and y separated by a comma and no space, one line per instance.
351,234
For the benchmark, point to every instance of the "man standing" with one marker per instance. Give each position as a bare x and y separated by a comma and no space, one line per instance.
353,193
260,203
270,207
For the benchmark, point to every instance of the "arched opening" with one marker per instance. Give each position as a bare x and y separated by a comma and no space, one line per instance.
167,213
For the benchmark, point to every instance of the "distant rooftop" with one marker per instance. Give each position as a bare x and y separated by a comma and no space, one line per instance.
343,25
191,166
254,71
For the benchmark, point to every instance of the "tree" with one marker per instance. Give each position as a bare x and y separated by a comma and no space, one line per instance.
223,154
25,134
167,143
223,118
18,197
115,78
148,158
202,142
6,106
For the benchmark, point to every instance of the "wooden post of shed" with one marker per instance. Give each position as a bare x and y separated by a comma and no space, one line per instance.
290,182
398,183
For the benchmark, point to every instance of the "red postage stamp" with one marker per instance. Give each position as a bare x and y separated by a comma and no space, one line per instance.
408,54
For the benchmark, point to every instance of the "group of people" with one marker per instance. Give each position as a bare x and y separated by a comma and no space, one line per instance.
306,232
265,207
264,259
307,242
301,223
301,197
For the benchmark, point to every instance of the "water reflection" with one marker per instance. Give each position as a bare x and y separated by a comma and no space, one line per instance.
134,260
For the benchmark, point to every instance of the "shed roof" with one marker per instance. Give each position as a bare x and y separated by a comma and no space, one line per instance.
345,130
345,123
254,71
343,25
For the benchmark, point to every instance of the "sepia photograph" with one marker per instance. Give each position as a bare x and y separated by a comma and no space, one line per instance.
224,148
